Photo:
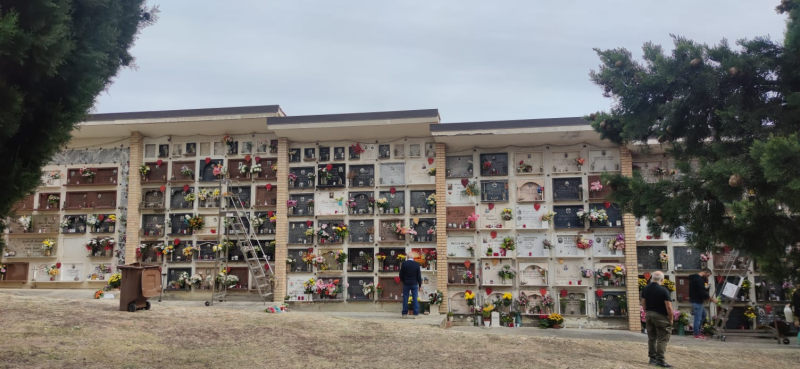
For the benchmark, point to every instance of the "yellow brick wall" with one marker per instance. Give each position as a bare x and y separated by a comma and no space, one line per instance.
282,221
441,221
629,223
134,197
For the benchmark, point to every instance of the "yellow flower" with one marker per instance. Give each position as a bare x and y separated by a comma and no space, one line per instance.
469,295
507,296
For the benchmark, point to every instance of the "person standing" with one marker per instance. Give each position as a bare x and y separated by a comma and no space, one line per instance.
658,316
411,275
698,295
796,305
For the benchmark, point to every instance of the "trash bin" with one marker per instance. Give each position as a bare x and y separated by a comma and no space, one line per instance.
139,283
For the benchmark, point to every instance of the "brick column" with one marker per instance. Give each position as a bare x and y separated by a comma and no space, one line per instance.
441,223
281,221
631,264
134,197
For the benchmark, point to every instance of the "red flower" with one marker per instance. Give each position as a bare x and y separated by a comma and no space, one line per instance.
329,167
335,281
100,217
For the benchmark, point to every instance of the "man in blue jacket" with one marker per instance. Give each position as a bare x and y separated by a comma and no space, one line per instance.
411,275
698,295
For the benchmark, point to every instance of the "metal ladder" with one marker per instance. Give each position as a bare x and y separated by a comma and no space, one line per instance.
732,290
244,237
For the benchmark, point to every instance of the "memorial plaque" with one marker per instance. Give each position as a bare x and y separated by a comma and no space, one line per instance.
211,201
568,189
455,194
206,171
369,152
77,224
294,155
45,223
295,289
600,247
565,162
173,274
418,172
105,226
324,154
302,207
399,151
355,289
648,257
494,164
414,151
386,231
430,149
598,195
605,160
302,174
40,272
177,199
681,235
267,171
457,216
458,304
177,255
459,166
153,199
91,200
297,233
362,203
236,166
647,169
529,190
396,201
529,162
243,274
643,234
338,175
391,264
530,245
361,176
310,154
458,246
568,273
682,288
534,303
494,191
25,204
243,193
16,272
392,174
489,273
419,202
487,241
45,204
28,248
328,225
177,168
330,203
614,215
73,272
206,250
384,151
361,259
688,258
612,304
533,274
157,174
266,196
178,225
529,217
153,225
727,259
268,227
392,291
455,274
566,217
566,245
338,153
422,228
299,266
490,217
362,231
247,147
49,181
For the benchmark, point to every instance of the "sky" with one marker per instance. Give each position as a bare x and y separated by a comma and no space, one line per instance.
472,60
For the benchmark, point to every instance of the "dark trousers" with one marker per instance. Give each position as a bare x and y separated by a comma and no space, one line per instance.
658,332
414,290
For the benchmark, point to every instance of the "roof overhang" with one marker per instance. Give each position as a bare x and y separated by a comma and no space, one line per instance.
363,127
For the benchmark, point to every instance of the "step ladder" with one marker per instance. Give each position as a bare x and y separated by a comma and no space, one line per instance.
728,296
232,229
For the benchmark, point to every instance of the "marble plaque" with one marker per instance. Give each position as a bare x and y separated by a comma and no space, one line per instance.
392,174
418,172
454,193
534,159
565,161
568,273
566,245
529,245
457,246
533,274
528,217
489,269
604,160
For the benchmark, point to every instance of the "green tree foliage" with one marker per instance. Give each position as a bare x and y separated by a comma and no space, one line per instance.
730,116
56,56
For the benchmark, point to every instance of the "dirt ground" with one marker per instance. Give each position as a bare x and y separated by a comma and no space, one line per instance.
48,332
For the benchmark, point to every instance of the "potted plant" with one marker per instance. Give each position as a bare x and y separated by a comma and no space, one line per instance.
555,320
489,251
486,313
449,316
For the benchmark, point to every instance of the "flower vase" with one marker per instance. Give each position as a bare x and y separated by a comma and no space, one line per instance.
309,267
556,326
487,323
108,253
664,265
613,252
51,279
46,252
605,283
503,253
681,329
703,264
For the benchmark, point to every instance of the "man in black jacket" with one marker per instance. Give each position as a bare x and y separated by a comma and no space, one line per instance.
698,295
657,304
411,275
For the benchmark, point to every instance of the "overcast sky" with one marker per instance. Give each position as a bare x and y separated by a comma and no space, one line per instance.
472,60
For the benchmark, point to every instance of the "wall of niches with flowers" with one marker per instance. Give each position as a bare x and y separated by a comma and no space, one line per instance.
181,183
72,232
533,222
677,260
357,209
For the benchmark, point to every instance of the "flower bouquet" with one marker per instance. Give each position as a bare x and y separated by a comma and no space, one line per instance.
507,214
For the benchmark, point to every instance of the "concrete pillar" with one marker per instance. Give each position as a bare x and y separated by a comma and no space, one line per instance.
281,221
441,223
134,197
631,263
